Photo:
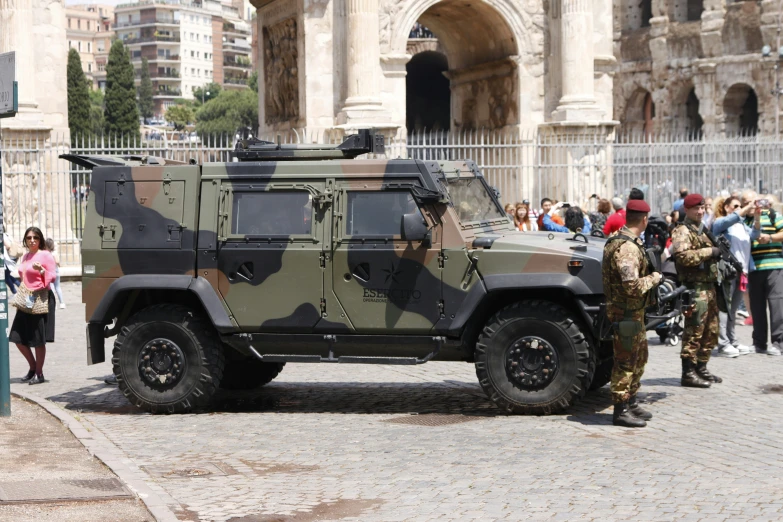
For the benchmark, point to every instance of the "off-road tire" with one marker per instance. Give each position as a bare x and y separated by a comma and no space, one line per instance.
249,374
199,343
555,325
603,373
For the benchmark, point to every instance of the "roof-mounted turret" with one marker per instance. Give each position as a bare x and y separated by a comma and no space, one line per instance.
366,141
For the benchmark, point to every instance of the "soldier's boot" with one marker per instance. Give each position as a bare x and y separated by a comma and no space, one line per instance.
704,373
623,417
689,377
637,411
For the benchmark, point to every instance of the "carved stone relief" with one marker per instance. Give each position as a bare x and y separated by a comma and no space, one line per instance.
281,73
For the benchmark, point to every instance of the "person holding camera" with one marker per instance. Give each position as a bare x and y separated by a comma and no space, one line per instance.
764,281
696,259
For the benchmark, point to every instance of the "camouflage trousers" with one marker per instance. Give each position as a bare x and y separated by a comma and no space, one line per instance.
701,328
630,357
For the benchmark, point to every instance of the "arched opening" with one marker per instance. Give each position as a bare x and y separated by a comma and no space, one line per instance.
693,120
686,10
639,113
478,44
741,110
427,91
636,14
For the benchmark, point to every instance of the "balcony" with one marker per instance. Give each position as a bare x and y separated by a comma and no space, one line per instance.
234,82
157,59
236,64
152,39
167,93
231,29
143,23
236,47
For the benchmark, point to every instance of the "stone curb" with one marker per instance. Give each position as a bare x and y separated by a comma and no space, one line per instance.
103,449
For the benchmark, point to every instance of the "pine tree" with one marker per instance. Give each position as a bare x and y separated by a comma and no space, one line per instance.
146,105
78,99
120,111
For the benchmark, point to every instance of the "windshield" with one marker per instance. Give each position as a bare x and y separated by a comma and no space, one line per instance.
472,201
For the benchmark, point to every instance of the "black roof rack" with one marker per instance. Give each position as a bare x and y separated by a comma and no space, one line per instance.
366,141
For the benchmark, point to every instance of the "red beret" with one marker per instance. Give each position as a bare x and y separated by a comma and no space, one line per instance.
692,200
637,205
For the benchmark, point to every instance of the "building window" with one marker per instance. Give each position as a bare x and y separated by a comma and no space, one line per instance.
79,44
192,54
69,23
89,47
89,67
88,25
78,24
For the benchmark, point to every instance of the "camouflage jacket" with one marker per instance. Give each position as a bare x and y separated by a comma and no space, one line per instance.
627,273
692,253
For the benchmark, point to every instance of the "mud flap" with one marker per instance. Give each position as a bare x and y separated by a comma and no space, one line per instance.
96,352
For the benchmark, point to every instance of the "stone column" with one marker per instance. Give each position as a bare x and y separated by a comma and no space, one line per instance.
16,23
577,56
363,71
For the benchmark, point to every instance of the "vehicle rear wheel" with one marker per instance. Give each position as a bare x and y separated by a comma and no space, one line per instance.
532,358
168,359
249,374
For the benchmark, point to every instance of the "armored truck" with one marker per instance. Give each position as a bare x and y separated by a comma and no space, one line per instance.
216,275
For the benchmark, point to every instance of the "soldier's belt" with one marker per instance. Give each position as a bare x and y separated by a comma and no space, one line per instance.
701,286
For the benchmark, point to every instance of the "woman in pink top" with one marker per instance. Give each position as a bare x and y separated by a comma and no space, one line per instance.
37,270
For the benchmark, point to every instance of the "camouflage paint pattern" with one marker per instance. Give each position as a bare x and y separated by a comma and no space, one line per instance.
697,270
701,328
628,365
177,219
628,283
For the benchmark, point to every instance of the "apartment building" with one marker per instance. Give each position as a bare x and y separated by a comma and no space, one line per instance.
88,31
187,44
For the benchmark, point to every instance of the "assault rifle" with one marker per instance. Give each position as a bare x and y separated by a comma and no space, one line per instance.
729,269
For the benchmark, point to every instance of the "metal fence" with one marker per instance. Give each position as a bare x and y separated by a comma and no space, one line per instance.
41,189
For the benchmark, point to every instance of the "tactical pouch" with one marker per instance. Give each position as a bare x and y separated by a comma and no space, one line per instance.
628,330
699,311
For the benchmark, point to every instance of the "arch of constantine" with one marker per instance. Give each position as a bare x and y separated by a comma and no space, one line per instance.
510,64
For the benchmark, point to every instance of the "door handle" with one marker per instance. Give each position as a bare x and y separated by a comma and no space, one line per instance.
362,271
244,271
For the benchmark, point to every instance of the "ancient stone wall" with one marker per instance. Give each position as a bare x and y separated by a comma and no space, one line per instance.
697,71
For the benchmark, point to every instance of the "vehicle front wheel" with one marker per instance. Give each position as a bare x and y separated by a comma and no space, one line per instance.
532,358
168,359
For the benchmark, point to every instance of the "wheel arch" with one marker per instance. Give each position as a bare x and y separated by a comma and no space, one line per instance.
498,291
129,294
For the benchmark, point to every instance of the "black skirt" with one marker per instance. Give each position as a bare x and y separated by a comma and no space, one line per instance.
33,330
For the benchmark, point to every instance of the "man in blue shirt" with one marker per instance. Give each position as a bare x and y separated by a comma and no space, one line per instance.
678,204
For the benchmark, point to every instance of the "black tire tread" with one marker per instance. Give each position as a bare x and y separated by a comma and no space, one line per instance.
548,311
237,377
207,343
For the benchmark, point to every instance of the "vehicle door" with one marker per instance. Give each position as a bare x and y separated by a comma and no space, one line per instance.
271,254
382,281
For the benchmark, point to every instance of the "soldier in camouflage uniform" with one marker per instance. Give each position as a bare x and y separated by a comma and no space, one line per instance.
629,283
696,259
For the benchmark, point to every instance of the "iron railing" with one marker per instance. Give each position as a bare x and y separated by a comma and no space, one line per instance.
40,189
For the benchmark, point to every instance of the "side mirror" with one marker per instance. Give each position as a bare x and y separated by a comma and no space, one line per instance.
414,228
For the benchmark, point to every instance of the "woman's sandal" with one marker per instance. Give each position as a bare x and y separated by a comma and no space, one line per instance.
38,379
29,376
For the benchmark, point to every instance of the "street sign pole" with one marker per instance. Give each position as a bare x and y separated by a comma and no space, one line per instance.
9,105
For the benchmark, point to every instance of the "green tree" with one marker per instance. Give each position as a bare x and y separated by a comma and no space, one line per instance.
96,112
210,91
253,81
120,112
180,116
226,113
78,99
146,105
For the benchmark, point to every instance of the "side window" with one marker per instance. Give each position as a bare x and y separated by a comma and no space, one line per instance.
377,213
277,213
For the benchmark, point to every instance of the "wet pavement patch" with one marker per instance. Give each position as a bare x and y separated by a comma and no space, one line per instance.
201,470
772,388
345,508
58,490
432,419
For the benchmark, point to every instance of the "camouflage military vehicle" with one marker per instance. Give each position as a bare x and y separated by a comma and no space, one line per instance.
216,275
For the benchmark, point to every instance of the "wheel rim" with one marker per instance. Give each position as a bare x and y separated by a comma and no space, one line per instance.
531,363
161,363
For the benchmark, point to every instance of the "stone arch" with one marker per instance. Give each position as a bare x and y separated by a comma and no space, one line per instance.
483,71
685,109
639,112
636,15
427,92
741,110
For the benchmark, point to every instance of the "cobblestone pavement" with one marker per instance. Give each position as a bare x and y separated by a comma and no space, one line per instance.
332,442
